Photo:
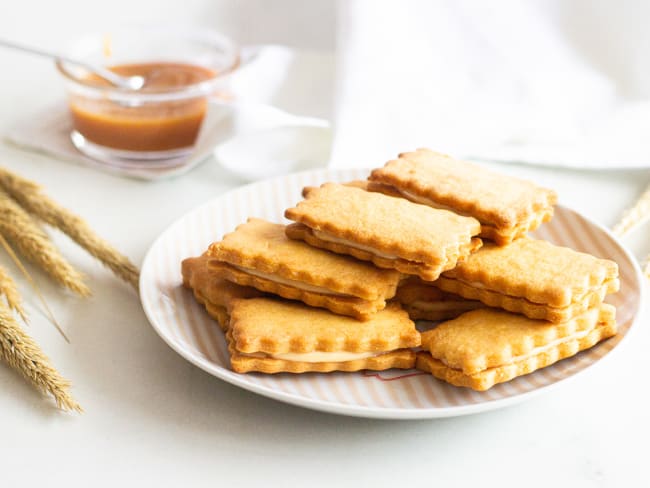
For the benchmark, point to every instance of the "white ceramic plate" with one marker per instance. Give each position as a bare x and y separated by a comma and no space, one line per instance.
185,326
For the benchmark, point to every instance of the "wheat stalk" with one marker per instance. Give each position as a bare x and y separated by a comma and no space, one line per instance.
17,226
29,196
32,283
23,354
634,216
9,289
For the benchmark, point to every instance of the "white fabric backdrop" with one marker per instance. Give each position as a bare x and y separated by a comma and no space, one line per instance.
556,82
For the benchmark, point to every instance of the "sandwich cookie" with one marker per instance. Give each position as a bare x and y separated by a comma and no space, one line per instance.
534,278
392,233
259,254
507,207
273,336
484,347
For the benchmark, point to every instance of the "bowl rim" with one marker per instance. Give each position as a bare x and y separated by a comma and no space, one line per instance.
194,90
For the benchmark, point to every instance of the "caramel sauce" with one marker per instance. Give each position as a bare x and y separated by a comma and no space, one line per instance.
152,126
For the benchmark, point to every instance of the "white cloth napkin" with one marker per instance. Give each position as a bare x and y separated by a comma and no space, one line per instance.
563,83
256,87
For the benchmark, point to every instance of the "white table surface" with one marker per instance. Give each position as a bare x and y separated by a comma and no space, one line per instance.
152,418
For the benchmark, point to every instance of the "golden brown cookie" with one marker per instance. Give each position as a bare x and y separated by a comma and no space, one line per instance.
272,336
533,277
212,292
423,301
391,232
259,254
484,347
507,207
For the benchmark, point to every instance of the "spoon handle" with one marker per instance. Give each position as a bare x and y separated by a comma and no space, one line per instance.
41,52
132,82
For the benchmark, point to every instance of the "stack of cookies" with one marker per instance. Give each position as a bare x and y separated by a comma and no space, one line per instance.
298,308
426,237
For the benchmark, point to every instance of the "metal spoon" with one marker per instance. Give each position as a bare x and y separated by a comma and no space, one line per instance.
124,82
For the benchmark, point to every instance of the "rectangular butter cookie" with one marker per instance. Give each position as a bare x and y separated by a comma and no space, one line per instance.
259,254
423,301
507,207
211,291
273,336
392,233
484,347
533,277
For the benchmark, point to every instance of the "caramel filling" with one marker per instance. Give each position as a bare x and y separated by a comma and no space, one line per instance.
430,203
577,299
315,357
337,240
293,283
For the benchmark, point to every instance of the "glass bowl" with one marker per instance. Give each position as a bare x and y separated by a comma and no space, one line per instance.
158,124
